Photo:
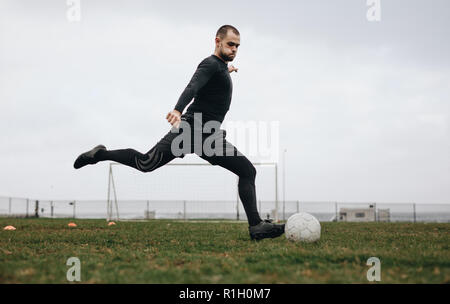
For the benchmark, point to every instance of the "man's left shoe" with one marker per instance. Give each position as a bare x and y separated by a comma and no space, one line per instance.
265,229
88,158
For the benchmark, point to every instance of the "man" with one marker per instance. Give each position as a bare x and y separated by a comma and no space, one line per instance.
211,87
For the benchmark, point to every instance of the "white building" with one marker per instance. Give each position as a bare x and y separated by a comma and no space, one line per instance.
357,214
364,214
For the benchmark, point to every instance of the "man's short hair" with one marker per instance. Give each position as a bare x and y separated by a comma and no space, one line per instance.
223,30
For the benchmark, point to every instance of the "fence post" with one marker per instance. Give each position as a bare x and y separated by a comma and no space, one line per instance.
26,215
51,209
375,211
184,210
36,209
260,210
237,198
336,211
10,199
414,210
147,215
276,193
298,206
74,206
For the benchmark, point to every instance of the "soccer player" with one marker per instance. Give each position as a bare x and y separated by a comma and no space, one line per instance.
211,87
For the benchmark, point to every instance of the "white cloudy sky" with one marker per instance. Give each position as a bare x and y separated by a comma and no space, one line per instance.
363,106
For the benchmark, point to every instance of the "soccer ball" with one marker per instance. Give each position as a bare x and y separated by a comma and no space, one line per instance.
302,227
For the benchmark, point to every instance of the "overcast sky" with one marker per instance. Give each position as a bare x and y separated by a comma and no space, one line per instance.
363,107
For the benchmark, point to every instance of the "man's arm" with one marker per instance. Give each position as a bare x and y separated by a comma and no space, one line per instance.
204,72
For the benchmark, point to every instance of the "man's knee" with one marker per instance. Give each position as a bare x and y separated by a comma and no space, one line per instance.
150,161
249,173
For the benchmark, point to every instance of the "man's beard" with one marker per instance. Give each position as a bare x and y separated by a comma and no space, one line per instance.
225,57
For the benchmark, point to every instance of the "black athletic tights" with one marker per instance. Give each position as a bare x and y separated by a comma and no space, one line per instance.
161,154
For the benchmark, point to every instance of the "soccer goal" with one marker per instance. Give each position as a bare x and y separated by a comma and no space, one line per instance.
187,190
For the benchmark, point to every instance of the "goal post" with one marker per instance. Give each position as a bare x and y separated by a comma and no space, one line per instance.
199,188
111,199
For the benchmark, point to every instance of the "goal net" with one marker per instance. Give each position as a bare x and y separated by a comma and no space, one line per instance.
187,190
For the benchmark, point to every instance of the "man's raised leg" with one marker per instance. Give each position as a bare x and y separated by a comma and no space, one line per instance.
157,157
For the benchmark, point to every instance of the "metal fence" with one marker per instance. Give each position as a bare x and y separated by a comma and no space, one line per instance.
160,209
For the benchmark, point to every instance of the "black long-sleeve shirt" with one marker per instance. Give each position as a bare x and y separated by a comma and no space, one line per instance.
211,86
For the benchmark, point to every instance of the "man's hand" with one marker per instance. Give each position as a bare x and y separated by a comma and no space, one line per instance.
174,118
231,69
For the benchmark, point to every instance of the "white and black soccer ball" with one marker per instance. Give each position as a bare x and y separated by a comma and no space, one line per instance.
302,227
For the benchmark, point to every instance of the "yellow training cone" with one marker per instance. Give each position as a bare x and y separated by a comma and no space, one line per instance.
9,228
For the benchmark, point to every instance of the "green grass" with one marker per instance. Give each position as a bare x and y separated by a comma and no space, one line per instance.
163,251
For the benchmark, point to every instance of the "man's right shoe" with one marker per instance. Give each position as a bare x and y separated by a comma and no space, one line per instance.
265,229
88,158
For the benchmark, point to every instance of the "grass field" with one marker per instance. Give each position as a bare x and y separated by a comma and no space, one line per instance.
164,251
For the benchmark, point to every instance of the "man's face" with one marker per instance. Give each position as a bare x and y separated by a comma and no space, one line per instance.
228,46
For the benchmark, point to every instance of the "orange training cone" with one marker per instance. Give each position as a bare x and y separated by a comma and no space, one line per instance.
9,228
72,225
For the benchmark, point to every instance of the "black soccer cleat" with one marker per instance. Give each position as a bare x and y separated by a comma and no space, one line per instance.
266,229
88,158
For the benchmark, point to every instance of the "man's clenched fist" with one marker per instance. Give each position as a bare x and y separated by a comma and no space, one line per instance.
174,118
232,69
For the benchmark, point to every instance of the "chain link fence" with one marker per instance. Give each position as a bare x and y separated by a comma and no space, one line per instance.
223,209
